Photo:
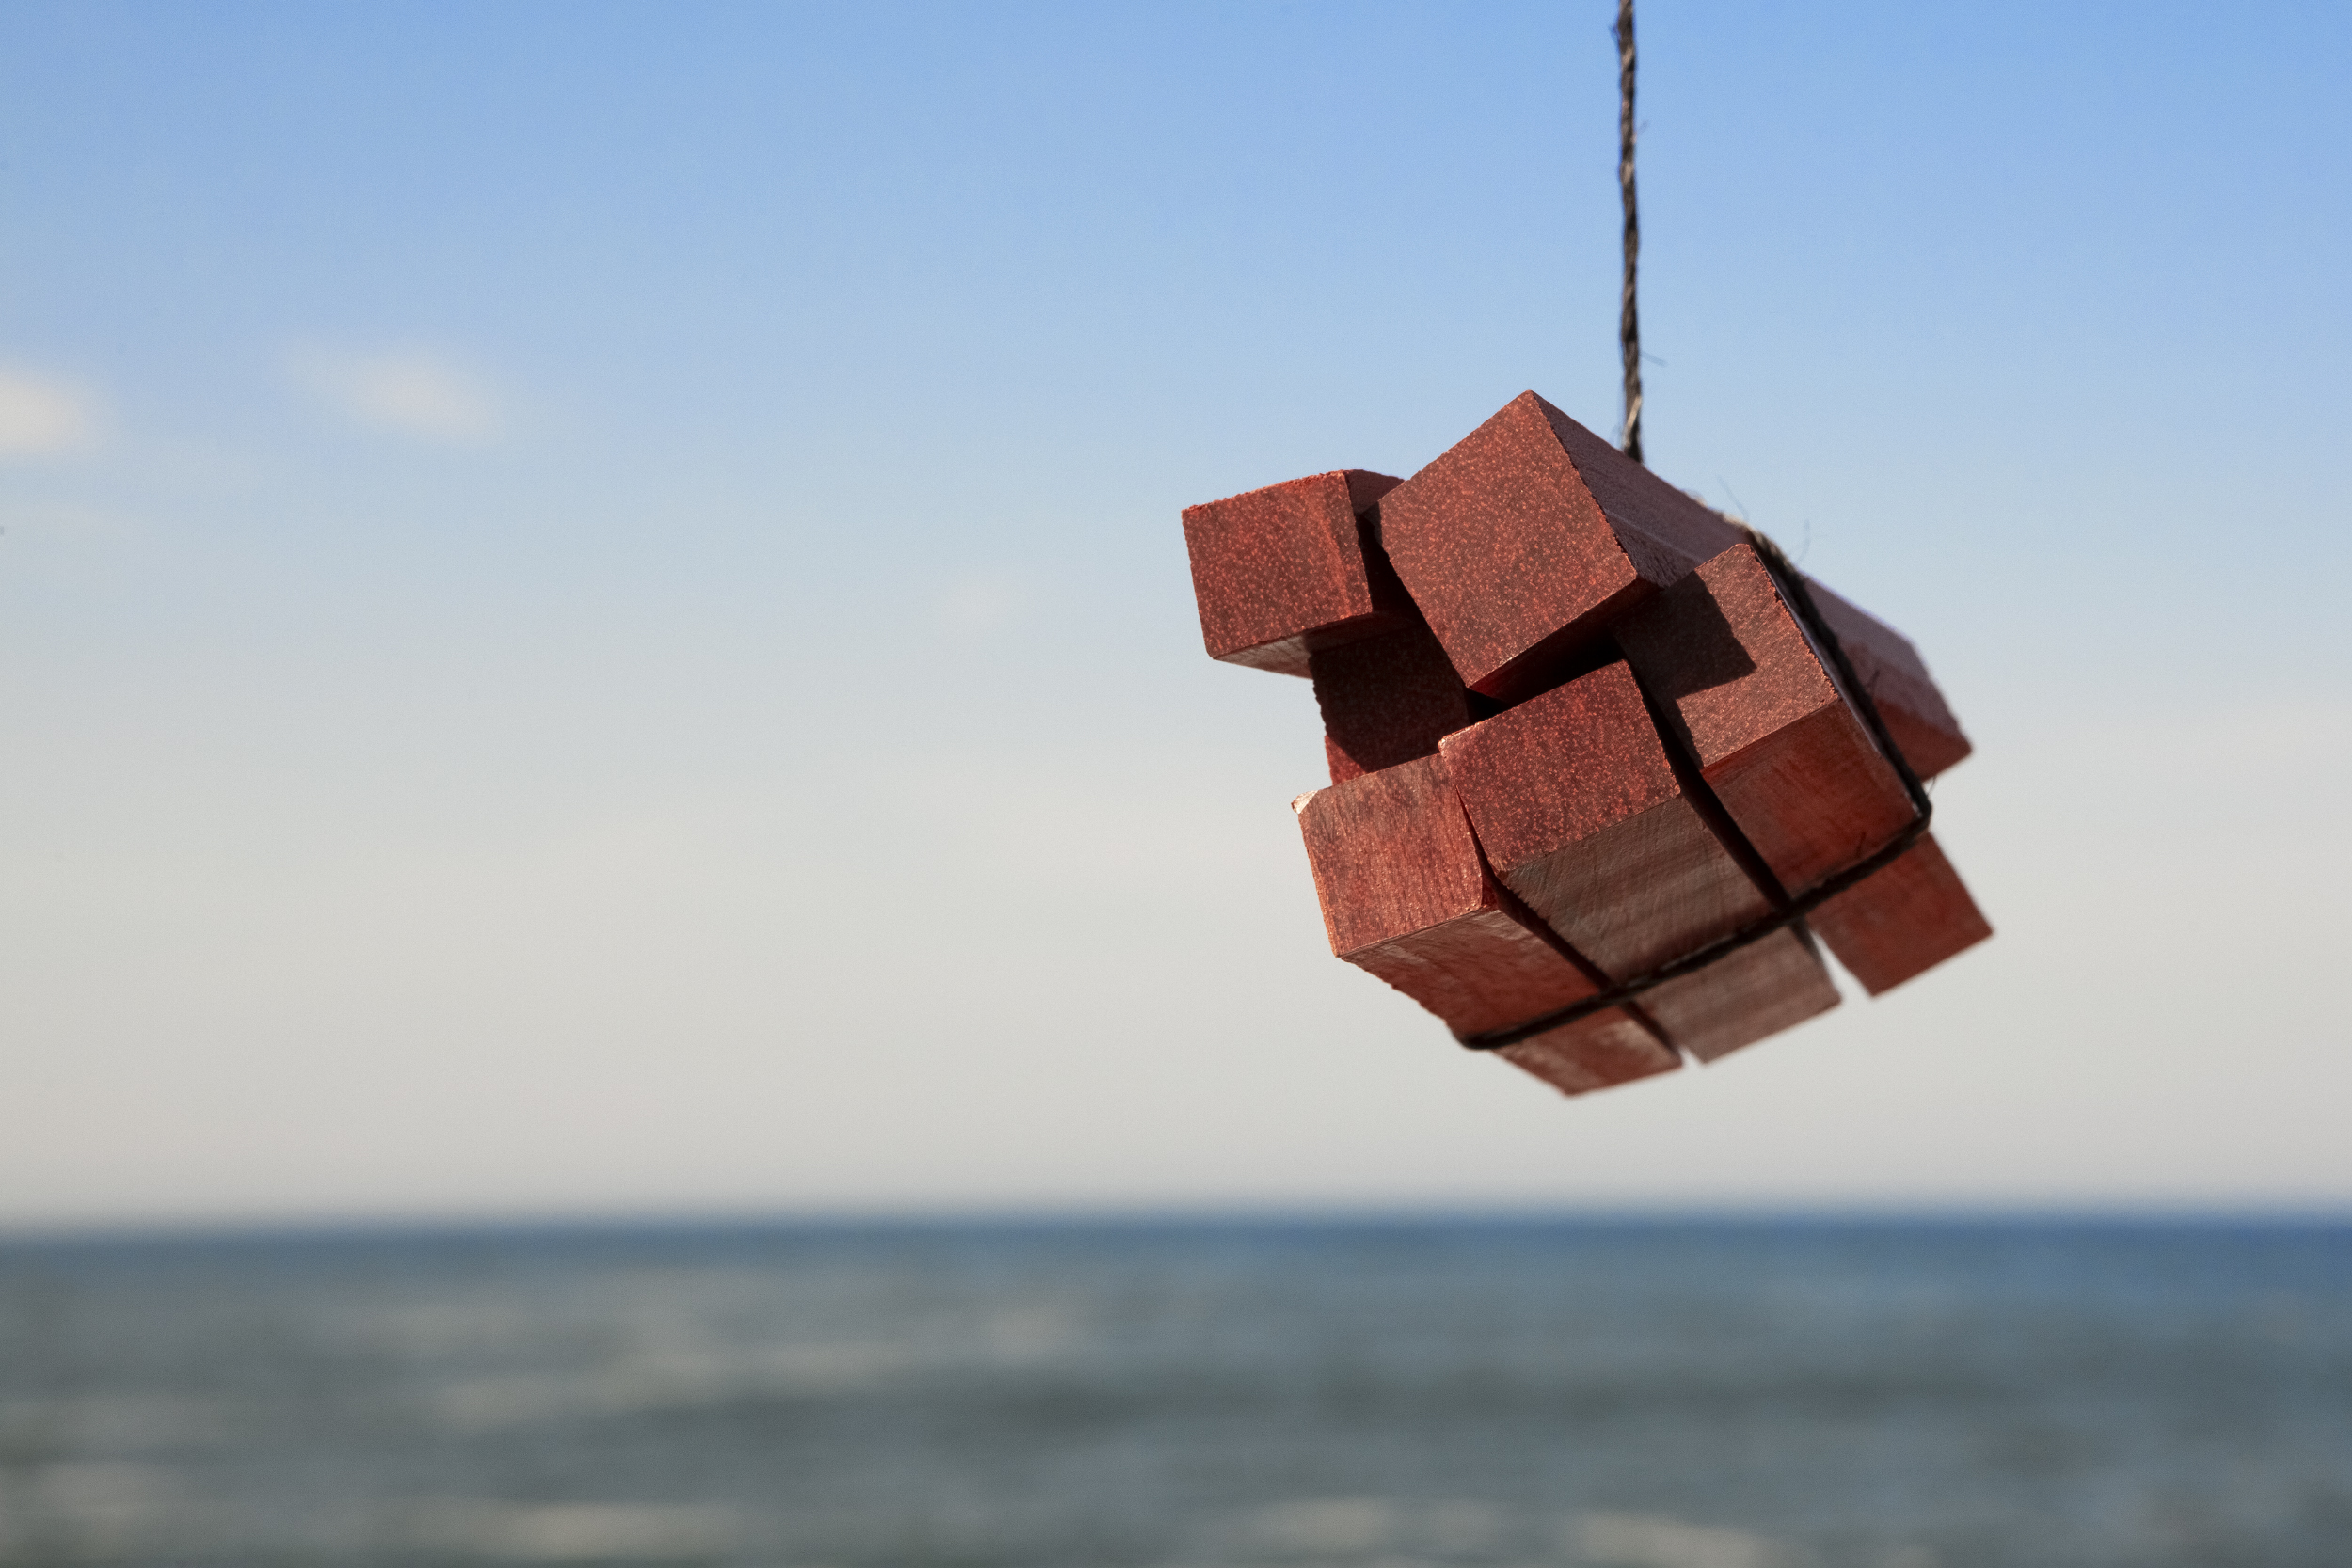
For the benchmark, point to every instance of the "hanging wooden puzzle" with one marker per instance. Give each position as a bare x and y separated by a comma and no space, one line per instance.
1606,771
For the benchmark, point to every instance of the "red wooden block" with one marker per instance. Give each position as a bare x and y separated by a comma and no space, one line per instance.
1526,538
1776,739
1582,813
1897,680
1741,998
1386,700
1746,693
1284,571
1405,896
1903,921
1578,1059
1586,814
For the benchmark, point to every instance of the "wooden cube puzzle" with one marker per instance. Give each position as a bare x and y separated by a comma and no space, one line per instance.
1602,764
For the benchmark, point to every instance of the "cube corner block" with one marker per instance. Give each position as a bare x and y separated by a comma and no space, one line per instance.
1902,921
1281,572
1526,538
1891,670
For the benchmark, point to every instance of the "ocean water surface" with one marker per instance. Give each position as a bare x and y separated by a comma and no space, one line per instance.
1653,1394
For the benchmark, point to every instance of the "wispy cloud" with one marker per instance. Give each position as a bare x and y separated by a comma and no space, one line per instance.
408,392
41,418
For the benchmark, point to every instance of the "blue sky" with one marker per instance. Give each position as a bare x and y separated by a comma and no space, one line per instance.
592,616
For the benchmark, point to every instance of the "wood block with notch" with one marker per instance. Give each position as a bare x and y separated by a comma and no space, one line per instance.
1405,896
1608,835
1523,541
1281,572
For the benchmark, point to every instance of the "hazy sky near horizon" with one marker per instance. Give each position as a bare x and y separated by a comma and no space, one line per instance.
592,618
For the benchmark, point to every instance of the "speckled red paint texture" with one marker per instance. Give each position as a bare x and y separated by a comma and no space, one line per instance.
1774,734
1902,921
1915,713
1386,700
1281,572
1583,813
1578,805
1523,540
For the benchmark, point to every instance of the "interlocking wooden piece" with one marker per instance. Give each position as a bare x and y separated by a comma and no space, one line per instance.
1587,815
1744,996
1513,570
1406,897
1281,572
1386,700
1903,921
1745,690
1897,680
1525,539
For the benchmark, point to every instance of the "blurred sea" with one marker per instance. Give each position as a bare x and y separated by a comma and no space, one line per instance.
1751,1394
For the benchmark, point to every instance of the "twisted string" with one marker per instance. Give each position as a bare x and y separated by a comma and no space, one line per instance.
1794,592
1628,319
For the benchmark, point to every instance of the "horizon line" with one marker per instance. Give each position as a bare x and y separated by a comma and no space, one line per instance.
521,1224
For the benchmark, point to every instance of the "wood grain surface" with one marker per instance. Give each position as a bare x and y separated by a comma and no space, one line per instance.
1739,999
1897,680
1587,815
1777,738
1405,896
1902,921
1583,814
1761,713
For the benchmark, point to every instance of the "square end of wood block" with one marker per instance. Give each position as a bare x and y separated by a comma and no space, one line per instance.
1391,855
1725,657
1559,766
1503,548
1280,571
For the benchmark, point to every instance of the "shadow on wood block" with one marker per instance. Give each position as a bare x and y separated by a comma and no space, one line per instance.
1778,740
1386,700
1737,999
1747,693
1582,813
